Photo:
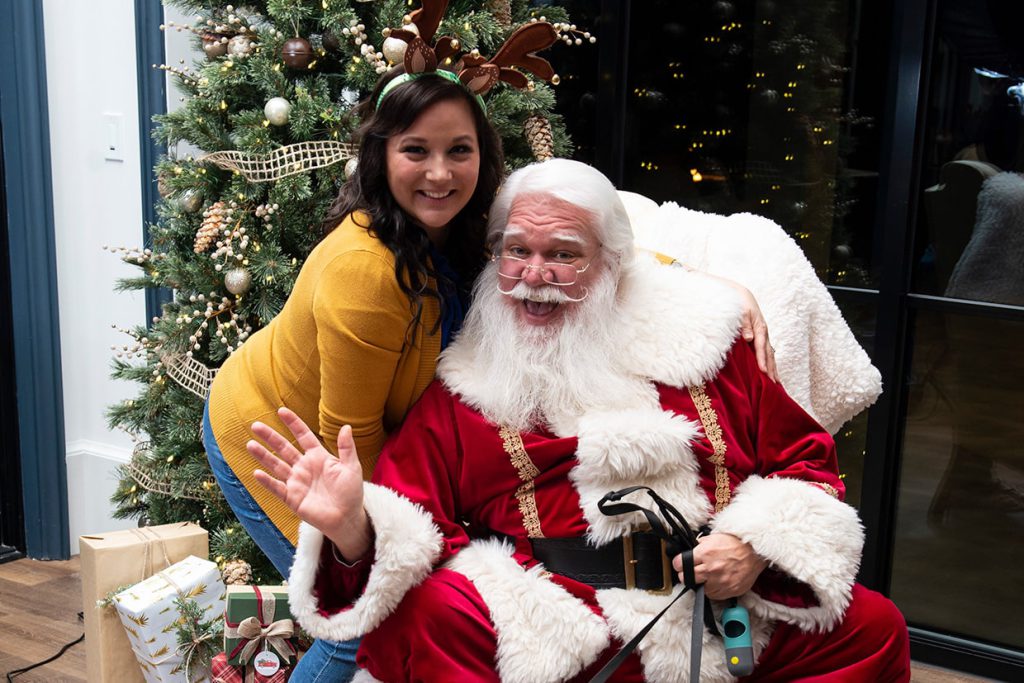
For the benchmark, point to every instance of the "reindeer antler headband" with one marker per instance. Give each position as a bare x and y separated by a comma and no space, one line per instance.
477,73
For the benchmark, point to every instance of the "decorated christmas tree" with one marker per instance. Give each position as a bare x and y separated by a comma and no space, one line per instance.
270,103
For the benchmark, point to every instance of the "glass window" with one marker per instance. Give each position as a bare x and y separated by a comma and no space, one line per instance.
766,107
960,514
969,240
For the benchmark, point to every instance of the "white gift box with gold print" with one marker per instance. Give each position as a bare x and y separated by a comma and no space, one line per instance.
151,618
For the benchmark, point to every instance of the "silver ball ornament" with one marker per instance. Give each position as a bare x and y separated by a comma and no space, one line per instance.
394,49
190,201
276,110
239,46
237,280
350,167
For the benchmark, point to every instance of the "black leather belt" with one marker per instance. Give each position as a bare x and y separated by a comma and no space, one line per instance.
638,560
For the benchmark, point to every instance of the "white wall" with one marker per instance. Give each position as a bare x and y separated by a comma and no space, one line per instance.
90,70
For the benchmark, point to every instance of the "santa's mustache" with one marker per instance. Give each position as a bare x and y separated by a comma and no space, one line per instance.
546,295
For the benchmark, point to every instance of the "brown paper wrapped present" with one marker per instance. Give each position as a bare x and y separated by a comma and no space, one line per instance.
116,559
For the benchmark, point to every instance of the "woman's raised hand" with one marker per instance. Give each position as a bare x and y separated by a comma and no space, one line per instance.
323,490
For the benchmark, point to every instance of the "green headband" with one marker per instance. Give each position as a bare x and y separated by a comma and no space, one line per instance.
406,77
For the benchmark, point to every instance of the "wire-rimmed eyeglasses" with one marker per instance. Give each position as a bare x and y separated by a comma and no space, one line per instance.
552,273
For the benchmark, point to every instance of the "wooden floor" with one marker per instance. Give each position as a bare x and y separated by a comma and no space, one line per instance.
39,606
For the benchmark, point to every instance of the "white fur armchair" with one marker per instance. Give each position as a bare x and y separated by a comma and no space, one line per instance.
820,362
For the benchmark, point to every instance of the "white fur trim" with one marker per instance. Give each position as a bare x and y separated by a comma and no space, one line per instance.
637,448
544,633
364,676
803,532
408,544
678,325
665,651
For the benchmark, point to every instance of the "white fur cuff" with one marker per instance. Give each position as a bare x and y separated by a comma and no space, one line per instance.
803,532
407,546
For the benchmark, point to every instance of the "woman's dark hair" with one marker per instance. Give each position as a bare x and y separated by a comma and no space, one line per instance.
368,189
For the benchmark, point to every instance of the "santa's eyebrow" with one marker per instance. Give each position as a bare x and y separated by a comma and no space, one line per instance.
567,238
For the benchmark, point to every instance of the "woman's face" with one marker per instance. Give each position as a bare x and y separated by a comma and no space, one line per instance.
433,166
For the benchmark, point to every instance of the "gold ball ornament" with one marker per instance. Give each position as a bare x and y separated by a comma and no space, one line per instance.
276,110
297,53
237,281
190,201
239,46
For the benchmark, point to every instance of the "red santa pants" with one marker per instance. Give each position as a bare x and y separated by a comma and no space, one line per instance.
442,632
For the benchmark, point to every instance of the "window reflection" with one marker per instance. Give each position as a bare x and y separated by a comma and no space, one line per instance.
961,502
970,241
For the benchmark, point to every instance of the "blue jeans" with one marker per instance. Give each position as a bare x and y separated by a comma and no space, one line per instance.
327,661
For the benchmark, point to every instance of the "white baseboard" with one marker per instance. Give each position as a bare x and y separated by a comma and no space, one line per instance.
92,479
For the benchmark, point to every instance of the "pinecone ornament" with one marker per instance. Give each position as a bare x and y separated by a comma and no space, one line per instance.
538,133
502,11
213,223
236,573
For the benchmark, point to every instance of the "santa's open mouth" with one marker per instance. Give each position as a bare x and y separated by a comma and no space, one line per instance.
539,308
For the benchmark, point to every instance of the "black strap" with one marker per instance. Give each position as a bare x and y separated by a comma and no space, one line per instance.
681,540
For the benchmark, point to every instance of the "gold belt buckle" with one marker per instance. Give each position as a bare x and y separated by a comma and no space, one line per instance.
630,562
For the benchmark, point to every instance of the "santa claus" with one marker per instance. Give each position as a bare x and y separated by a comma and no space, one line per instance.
481,551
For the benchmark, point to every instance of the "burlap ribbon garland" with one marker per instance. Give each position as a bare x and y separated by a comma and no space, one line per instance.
257,634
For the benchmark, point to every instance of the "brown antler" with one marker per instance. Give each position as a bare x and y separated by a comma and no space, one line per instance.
428,17
519,48
481,75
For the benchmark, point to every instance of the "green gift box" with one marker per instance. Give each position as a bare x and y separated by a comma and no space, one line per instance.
258,619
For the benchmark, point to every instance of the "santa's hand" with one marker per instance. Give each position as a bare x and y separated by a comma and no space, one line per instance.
725,565
323,490
754,329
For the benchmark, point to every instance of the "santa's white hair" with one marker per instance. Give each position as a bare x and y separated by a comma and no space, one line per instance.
524,376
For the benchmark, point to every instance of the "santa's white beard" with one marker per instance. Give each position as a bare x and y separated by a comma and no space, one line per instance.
526,376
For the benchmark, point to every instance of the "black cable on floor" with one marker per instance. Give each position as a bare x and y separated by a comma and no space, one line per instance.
18,672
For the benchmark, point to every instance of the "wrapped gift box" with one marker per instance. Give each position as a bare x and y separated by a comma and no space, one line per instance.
151,618
225,673
119,558
269,624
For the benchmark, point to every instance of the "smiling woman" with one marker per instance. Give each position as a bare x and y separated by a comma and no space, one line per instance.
373,306
433,166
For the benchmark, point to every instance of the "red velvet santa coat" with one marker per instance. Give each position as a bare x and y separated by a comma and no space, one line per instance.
703,427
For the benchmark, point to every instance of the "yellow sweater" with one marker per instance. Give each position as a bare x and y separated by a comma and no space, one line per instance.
337,354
